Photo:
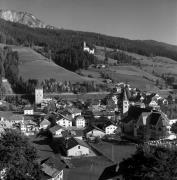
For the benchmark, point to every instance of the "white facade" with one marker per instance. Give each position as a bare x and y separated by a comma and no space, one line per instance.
90,51
38,95
80,122
78,150
110,129
58,133
64,123
125,106
28,112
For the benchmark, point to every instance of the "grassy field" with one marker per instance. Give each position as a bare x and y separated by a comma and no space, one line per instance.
115,152
33,65
157,64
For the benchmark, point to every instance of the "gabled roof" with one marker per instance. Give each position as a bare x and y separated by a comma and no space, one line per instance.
54,162
72,142
91,128
16,117
74,110
108,123
80,118
45,122
28,108
66,116
55,128
134,113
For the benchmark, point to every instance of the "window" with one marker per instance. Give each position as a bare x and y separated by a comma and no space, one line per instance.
78,147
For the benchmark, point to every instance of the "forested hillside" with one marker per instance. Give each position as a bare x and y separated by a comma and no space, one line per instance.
63,40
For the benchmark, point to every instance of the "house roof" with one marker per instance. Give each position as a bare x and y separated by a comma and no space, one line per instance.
52,172
134,113
80,118
156,116
16,117
153,118
55,128
108,123
28,108
54,162
73,133
45,122
72,142
6,114
91,128
74,110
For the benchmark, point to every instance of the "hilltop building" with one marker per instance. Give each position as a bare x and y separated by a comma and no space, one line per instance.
38,95
86,48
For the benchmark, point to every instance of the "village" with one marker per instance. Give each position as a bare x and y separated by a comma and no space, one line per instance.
71,135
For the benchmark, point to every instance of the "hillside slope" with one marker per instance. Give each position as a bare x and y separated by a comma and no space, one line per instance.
35,66
15,33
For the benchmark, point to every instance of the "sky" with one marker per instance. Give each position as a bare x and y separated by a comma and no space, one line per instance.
133,19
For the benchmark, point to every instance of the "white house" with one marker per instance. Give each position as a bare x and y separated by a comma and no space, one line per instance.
56,131
76,147
110,129
74,112
65,121
80,122
28,111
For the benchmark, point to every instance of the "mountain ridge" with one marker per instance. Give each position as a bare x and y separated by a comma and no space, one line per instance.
23,18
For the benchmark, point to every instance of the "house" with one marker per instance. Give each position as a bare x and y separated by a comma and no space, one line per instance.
44,124
56,131
76,147
145,123
95,132
154,105
64,120
74,112
28,111
16,118
80,122
52,169
110,128
29,127
76,133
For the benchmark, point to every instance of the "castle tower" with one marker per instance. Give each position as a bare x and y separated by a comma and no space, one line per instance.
125,103
84,44
38,95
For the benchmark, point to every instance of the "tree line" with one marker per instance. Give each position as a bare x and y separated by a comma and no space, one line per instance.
61,39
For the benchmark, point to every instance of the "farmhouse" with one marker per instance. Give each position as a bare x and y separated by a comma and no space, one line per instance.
56,131
52,169
76,147
28,111
110,128
80,122
65,121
